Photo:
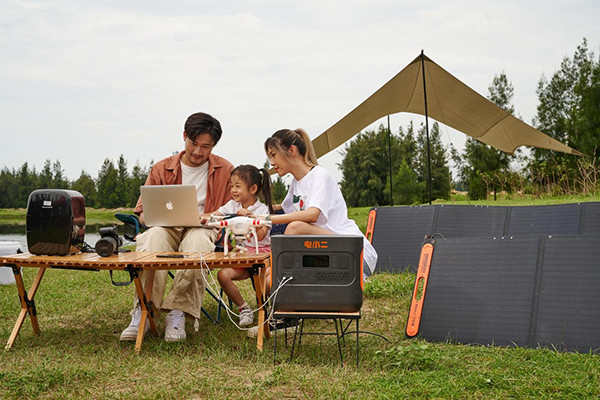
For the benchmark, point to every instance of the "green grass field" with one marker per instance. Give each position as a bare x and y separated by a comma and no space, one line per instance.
78,354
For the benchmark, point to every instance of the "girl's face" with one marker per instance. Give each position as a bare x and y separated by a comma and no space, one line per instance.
242,193
279,162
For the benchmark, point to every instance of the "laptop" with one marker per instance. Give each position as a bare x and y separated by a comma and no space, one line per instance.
170,205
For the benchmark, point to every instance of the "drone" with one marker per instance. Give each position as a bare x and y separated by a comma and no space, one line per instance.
242,227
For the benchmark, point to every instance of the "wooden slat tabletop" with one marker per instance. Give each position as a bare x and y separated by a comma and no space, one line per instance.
137,259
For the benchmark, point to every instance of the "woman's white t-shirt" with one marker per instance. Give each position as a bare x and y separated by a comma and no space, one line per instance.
258,208
318,189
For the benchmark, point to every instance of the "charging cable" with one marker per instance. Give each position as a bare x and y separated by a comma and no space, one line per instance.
213,287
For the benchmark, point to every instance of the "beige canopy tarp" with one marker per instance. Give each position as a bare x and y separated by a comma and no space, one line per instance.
449,101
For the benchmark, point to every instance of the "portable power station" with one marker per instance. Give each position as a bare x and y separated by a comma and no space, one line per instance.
55,222
326,272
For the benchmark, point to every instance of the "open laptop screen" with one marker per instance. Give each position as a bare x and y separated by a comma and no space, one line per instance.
170,205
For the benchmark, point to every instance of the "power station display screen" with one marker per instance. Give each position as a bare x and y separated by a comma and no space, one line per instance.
312,261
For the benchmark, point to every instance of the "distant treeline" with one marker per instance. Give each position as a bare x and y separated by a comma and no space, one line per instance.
114,187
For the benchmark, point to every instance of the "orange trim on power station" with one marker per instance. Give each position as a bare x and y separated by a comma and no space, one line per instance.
416,305
362,272
371,224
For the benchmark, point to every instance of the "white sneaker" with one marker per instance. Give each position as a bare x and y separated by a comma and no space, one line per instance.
252,332
246,317
175,326
130,333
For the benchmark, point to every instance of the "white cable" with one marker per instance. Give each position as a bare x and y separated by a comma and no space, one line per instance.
223,303
229,311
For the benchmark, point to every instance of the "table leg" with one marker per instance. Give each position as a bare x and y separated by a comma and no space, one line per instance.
259,286
27,304
146,306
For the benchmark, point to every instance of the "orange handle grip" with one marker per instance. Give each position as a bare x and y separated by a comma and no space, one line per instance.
416,304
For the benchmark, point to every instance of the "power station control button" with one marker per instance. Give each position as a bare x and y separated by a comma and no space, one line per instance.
344,262
334,261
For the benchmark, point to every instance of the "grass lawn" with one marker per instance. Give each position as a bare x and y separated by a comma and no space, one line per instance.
78,354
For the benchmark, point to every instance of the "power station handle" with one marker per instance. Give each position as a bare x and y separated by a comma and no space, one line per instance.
418,298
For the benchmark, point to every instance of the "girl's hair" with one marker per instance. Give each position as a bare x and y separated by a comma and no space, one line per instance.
283,139
251,175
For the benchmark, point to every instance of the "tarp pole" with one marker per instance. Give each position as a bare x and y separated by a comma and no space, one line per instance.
390,162
426,127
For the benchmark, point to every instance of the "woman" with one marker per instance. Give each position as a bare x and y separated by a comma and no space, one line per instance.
314,204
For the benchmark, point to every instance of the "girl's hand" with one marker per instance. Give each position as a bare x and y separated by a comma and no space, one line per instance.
243,211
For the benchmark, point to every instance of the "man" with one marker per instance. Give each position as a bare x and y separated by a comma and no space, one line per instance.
210,174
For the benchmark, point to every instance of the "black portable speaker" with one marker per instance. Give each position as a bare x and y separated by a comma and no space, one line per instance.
55,222
326,272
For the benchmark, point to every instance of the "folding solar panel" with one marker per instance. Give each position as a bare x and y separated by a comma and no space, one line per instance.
524,291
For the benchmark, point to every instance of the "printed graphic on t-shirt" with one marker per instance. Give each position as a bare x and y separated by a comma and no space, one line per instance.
299,202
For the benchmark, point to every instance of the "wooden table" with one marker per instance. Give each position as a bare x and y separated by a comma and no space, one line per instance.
133,263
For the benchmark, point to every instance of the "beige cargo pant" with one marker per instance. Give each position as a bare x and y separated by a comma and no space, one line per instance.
187,291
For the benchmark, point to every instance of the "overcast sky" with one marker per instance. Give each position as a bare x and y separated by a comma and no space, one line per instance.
84,81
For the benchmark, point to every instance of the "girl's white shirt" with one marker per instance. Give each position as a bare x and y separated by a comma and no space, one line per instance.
258,208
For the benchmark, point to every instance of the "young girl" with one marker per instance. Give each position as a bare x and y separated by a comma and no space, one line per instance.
314,204
247,182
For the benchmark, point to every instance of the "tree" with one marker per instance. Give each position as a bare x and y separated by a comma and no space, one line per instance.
278,187
87,187
279,190
568,111
123,183
45,180
9,187
408,146
408,189
501,92
58,176
108,177
480,158
27,179
440,172
586,116
137,179
365,168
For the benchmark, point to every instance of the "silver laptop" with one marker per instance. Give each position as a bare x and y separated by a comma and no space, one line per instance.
170,205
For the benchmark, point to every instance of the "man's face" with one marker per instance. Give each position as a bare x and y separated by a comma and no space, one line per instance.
198,150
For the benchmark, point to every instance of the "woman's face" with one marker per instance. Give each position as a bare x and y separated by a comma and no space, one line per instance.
279,162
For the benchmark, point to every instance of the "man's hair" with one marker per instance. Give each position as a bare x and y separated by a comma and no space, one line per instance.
201,123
